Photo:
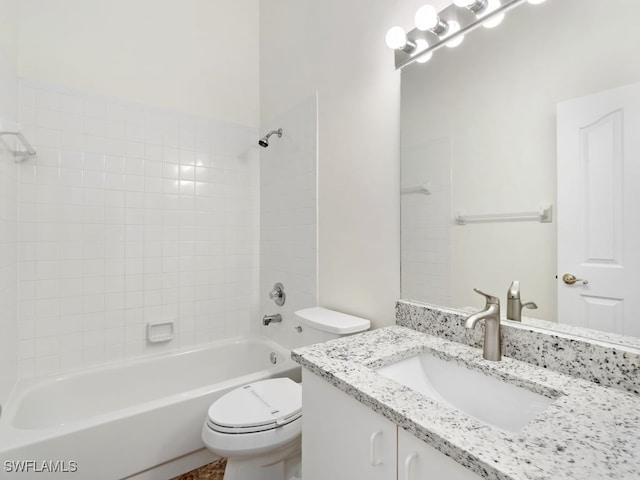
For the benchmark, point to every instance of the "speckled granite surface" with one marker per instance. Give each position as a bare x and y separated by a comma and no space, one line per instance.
589,432
566,350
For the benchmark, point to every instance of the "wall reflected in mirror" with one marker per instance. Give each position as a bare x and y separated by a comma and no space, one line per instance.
479,128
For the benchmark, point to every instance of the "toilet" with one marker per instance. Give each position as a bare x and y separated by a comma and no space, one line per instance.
257,427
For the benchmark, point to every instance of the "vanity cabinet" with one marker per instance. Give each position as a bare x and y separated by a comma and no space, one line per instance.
343,439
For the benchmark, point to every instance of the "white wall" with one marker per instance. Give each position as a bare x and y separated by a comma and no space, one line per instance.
196,56
138,51
288,220
338,49
8,205
9,59
330,48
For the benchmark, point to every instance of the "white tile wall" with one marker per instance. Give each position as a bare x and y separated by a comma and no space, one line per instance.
288,226
8,270
130,215
426,222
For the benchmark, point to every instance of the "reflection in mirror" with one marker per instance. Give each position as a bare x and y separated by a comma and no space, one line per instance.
480,126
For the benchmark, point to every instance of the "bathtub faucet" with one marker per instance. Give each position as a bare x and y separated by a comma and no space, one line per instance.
267,319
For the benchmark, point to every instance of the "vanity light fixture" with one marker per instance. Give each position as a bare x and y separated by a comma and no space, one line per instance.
475,6
427,19
496,19
446,28
454,28
397,40
421,45
482,8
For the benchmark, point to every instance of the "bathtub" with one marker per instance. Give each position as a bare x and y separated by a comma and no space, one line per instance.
140,419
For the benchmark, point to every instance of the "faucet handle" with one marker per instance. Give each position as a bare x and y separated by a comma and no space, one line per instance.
277,294
490,298
514,290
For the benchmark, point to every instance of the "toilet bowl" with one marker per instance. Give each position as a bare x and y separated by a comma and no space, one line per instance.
257,427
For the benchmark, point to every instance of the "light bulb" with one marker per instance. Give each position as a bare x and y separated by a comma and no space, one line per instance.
422,45
494,21
453,28
535,2
426,18
396,38
463,3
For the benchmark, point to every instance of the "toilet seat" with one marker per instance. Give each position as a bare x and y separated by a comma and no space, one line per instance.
255,419
257,407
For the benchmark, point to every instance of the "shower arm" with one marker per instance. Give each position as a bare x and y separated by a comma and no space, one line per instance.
275,132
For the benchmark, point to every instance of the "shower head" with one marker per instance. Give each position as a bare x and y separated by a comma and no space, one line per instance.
264,141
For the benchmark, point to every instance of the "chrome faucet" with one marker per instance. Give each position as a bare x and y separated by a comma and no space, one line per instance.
492,349
514,305
267,319
277,294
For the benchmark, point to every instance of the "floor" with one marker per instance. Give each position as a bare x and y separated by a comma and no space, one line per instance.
213,471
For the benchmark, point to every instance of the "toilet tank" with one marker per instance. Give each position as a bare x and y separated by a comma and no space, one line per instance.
321,324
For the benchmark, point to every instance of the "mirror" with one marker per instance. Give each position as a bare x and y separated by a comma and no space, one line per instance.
479,133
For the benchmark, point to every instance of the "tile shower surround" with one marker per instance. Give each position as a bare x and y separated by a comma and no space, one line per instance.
426,221
288,219
8,267
128,215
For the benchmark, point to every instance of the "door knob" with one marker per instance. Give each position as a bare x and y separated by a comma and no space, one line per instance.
570,279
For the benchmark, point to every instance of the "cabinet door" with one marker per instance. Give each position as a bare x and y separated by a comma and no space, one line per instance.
419,461
343,439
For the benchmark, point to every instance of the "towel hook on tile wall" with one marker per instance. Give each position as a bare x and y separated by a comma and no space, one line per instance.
8,128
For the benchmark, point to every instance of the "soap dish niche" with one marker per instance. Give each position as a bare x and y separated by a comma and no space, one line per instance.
160,332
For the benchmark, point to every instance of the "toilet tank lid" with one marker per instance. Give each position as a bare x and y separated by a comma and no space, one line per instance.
333,322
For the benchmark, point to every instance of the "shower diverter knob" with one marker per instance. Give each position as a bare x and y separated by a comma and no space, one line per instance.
277,294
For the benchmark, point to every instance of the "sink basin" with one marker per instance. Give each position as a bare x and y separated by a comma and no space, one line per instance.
495,402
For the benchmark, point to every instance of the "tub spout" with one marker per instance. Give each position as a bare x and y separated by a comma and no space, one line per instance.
267,319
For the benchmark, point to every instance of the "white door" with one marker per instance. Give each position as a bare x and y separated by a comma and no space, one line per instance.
599,210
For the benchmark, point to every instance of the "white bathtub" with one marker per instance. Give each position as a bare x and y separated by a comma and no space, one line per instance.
117,421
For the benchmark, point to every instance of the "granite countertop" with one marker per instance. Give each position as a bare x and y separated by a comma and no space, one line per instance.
588,432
